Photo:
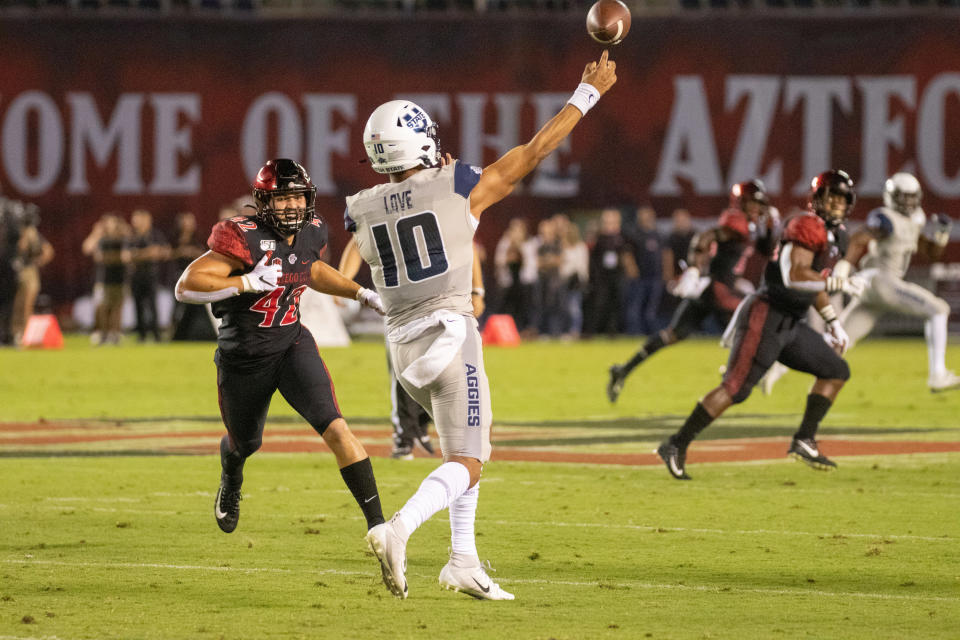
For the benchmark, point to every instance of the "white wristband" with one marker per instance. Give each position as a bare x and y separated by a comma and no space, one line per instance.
584,97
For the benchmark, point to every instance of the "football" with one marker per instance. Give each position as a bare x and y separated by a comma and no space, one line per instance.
608,21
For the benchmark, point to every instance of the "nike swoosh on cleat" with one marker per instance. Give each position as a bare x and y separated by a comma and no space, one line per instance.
676,470
806,447
216,509
485,589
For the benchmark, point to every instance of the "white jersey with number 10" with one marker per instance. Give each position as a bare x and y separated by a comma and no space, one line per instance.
417,237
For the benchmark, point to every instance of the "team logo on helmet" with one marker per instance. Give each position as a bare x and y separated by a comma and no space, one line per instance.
398,136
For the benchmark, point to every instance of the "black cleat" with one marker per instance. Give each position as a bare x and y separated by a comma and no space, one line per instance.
806,451
675,458
227,507
615,385
402,452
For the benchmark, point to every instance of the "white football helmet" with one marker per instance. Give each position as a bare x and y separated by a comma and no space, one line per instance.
398,136
902,193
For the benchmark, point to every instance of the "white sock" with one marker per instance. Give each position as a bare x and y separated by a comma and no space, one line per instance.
437,491
935,331
463,513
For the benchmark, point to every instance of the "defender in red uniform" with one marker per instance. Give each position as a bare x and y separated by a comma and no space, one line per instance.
254,274
744,225
768,325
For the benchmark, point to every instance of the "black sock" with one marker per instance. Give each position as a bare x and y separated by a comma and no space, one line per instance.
231,463
696,422
817,407
359,479
652,345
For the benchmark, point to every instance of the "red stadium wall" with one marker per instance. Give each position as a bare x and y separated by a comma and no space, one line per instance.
101,115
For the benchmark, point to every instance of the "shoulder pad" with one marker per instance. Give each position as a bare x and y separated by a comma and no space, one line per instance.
808,231
879,223
465,178
736,221
227,239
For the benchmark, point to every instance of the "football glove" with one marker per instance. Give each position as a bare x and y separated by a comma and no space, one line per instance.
690,284
370,299
938,229
263,277
836,336
852,286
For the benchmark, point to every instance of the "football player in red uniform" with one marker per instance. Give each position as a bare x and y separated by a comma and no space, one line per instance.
254,274
768,325
744,225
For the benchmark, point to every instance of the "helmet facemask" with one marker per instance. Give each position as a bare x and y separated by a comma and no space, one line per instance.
832,206
743,194
832,197
902,193
279,179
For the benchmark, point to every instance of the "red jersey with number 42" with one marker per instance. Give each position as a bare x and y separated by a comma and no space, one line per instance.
263,323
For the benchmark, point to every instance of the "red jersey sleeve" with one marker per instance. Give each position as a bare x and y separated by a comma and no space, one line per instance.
808,231
735,221
227,239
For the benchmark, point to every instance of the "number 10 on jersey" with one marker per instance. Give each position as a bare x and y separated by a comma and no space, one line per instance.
416,266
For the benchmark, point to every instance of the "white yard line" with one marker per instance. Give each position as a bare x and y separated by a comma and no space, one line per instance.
639,527
571,583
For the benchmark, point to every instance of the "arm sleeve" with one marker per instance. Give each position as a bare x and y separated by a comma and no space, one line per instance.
735,221
806,231
465,178
227,239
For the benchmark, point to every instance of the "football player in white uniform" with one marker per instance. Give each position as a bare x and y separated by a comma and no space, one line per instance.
883,249
416,233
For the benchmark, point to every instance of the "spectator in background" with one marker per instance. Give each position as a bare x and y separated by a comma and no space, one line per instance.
607,258
675,256
574,271
643,291
107,244
677,245
549,287
33,253
9,235
148,248
190,321
512,266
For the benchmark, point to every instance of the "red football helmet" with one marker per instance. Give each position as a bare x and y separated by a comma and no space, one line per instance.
751,191
827,184
284,177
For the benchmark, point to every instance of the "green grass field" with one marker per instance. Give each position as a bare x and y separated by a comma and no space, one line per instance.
107,546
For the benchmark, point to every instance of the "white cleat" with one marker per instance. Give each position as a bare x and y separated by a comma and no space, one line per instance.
391,550
471,579
944,382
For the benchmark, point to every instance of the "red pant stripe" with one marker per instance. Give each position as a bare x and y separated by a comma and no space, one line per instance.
748,348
